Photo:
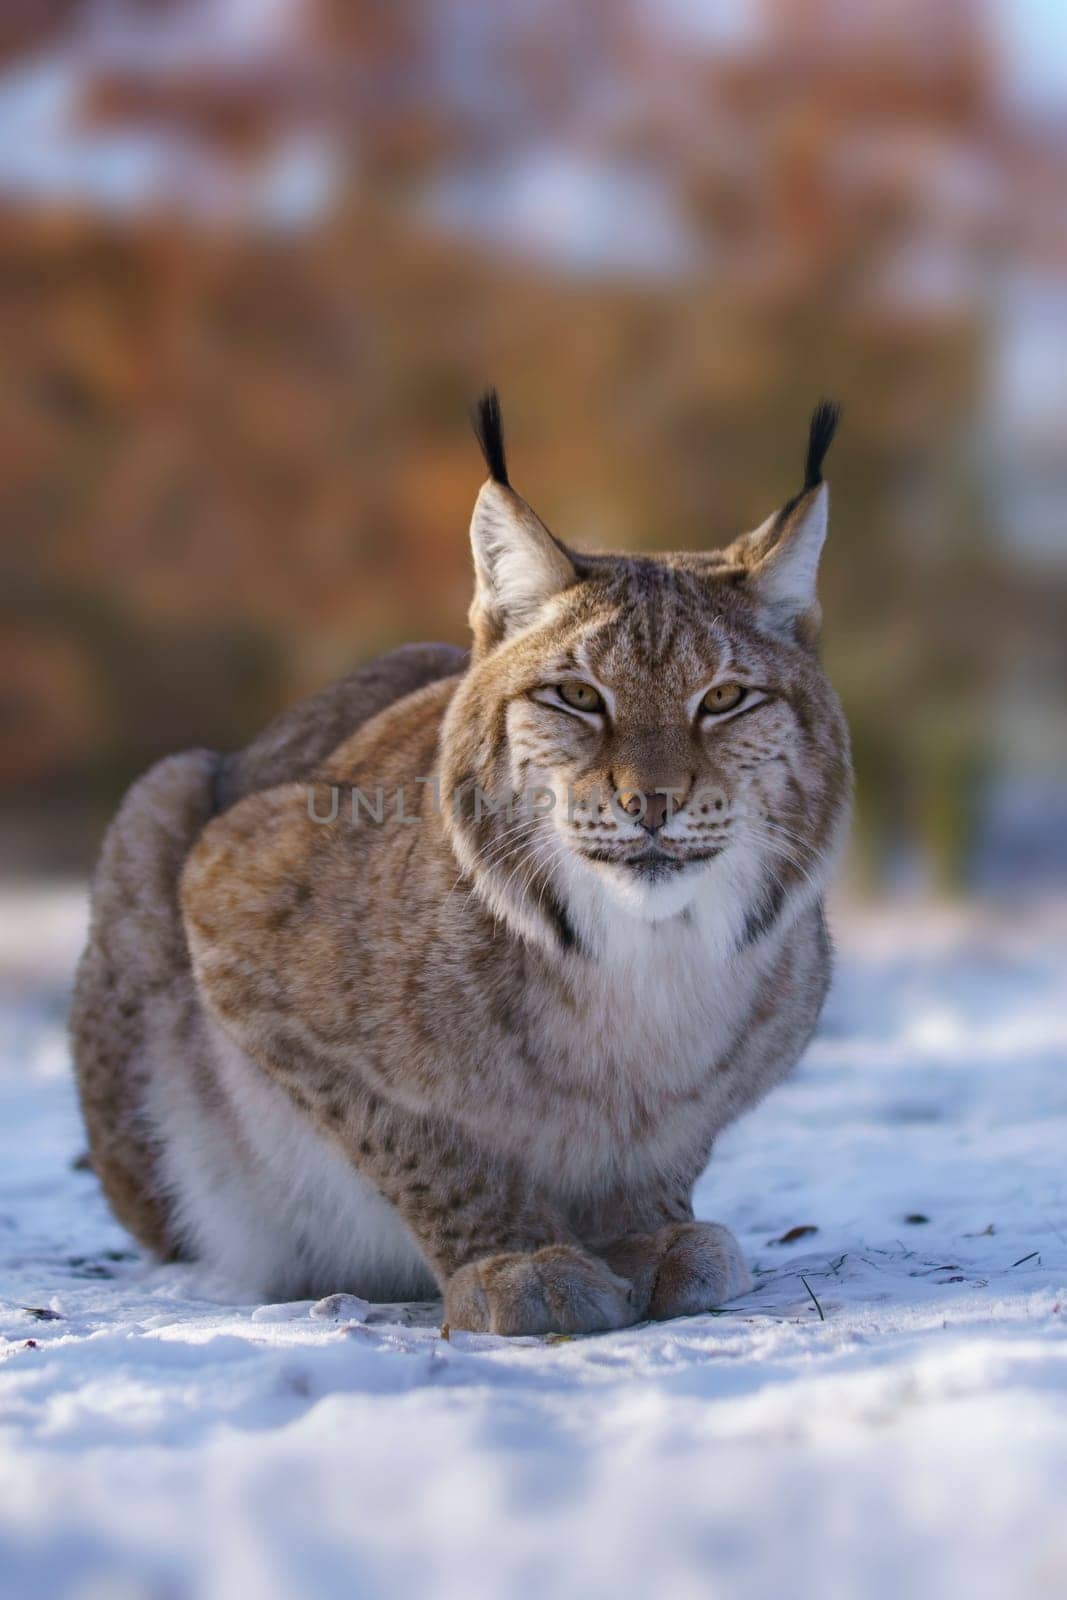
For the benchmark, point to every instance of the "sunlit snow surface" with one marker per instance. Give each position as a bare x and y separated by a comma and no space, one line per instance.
914,1443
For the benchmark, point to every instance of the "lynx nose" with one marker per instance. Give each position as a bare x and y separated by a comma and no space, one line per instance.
650,810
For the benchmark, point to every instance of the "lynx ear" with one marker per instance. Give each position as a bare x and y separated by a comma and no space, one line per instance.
782,555
518,564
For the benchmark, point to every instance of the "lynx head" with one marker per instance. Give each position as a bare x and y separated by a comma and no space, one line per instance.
645,738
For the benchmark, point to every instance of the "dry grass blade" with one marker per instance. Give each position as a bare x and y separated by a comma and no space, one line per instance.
814,1299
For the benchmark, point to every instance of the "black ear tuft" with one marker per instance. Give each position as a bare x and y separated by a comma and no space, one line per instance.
824,420
489,431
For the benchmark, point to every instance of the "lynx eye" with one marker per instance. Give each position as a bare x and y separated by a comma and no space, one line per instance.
724,697
582,696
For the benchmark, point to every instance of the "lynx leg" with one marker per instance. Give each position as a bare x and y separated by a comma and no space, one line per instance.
559,1289
681,1269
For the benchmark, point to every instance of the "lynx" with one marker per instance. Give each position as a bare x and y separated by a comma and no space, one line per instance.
449,981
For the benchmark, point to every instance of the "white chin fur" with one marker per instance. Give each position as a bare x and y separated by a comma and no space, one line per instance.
609,907
647,900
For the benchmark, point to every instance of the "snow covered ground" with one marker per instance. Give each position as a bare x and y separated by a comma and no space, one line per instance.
885,1415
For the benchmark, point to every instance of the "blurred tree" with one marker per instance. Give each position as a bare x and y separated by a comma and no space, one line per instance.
232,414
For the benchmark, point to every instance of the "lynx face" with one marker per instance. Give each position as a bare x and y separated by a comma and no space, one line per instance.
646,734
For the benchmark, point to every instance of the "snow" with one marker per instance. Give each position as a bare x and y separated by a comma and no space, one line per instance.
909,1440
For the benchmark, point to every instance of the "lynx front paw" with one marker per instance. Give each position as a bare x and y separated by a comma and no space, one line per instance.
555,1290
700,1266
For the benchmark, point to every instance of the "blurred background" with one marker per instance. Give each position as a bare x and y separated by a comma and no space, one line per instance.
257,256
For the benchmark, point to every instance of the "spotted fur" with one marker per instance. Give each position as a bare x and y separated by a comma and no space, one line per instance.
484,1044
